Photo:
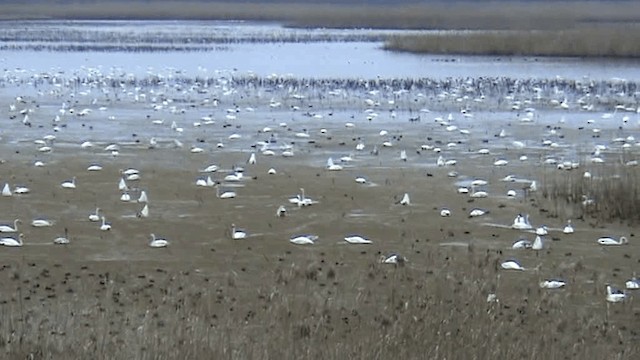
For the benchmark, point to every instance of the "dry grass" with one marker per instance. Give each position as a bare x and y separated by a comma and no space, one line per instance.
621,41
437,15
612,193
324,309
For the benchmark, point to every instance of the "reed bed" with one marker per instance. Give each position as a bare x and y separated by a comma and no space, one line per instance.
611,193
322,309
346,14
621,41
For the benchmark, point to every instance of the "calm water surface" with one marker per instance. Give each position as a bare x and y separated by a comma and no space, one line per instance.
202,48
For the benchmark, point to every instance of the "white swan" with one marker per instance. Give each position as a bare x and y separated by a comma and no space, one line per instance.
224,194
94,167
158,243
521,222
62,240
105,225
538,243
125,197
615,295
405,199
521,244
331,166
357,239
144,213
237,233
69,184
12,242
478,212
393,258
209,169
552,284
122,185
302,200
445,212
6,190
95,216
41,223
542,230
303,239
252,159
632,284
511,265
478,194
568,229
281,211
611,241
8,229
143,197
361,180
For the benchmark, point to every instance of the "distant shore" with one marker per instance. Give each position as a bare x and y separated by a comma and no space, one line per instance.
571,28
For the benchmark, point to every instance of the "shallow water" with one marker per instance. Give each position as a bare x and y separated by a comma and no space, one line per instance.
199,48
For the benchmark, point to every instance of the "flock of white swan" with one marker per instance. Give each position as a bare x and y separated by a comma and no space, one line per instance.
446,155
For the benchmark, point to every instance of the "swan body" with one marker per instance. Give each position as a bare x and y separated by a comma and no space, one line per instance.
252,159
632,284
12,242
234,176
607,241
357,239
62,240
542,230
69,184
209,169
95,217
477,212
304,239
105,225
94,167
405,199
122,185
361,180
157,242
568,229
225,194
8,229
393,258
552,284
445,212
143,197
281,211
521,222
511,265
144,213
478,194
521,244
6,190
205,182
125,197
615,295
41,223
331,166
538,243
237,233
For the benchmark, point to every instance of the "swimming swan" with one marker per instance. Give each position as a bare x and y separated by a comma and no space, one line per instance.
237,234
12,242
105,225
9,229
41,223
611,241
62,240
69,184
568,229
